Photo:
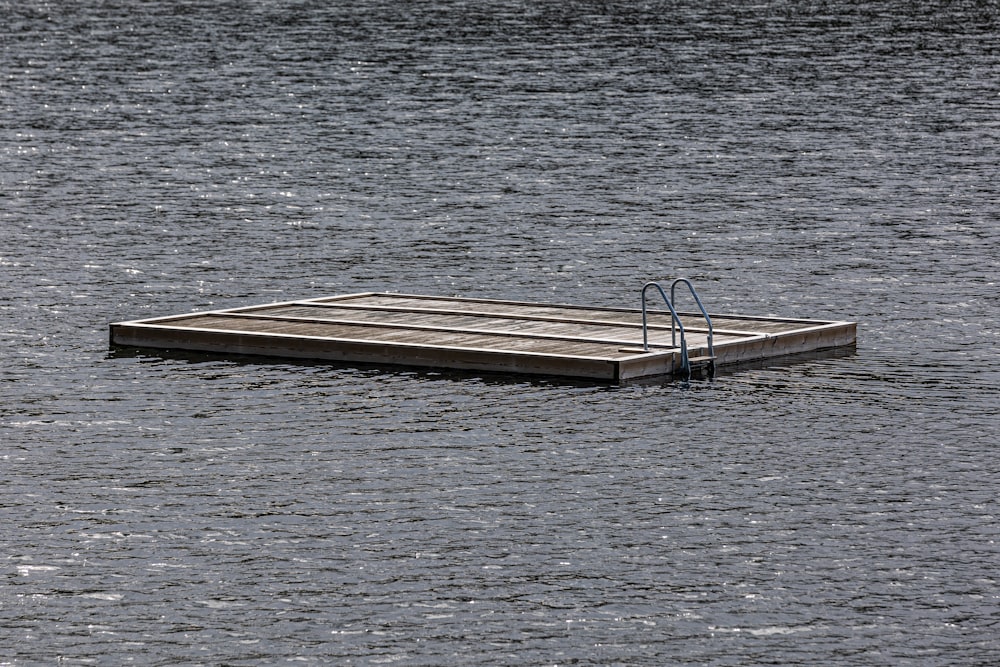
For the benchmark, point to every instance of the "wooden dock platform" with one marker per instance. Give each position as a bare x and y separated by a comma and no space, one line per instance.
479,334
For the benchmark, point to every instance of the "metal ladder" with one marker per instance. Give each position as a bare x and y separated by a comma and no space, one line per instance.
676,325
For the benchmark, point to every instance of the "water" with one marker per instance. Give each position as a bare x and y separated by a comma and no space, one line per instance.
828,160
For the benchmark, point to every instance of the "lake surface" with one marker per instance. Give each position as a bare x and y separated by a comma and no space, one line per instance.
833,160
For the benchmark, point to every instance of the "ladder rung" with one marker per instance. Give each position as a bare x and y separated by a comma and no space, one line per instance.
697,361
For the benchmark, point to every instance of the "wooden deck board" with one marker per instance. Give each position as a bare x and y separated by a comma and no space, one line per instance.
612,332
478,334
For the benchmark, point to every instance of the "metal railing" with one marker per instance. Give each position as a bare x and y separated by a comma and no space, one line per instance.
708,320
685,365
675,322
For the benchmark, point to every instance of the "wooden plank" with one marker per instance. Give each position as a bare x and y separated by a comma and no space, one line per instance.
549,334
536,315
592,311
363,351
657,319
235,325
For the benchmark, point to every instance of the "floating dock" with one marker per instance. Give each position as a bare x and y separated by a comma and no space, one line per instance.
604,344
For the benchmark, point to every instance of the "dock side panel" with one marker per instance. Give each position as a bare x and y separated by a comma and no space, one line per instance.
348,351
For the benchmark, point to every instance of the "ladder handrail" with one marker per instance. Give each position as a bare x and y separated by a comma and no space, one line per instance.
673,313
708,320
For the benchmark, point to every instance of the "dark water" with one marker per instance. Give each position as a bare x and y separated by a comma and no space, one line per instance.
818,159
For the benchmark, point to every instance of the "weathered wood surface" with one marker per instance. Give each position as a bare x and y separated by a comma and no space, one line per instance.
478,334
